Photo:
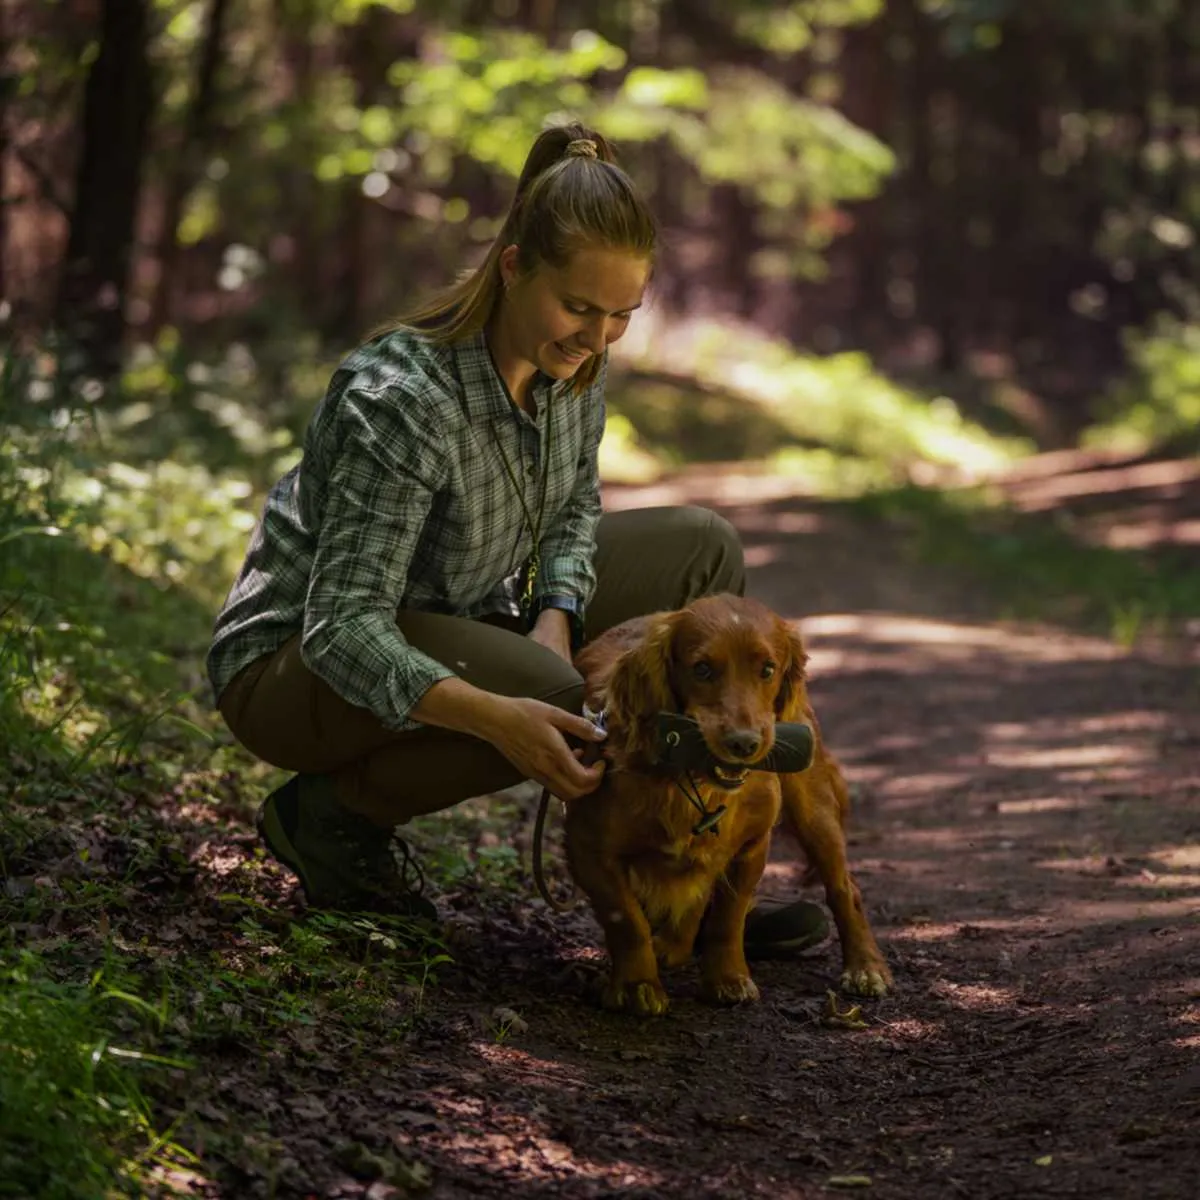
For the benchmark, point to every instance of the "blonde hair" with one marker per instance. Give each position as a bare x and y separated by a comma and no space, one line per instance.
571,194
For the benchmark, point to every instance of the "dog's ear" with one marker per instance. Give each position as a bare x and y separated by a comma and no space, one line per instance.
791,701
640,685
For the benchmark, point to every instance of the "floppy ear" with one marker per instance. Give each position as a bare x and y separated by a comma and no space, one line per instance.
639,687
791,701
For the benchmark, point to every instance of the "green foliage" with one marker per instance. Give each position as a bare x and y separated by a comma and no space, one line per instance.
74,1123
488,95
430,132
833,418
787,29
1158,401
352,973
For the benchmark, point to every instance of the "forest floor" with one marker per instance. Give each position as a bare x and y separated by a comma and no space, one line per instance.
1026,834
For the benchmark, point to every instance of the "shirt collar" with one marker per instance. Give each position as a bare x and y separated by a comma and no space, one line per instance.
485,395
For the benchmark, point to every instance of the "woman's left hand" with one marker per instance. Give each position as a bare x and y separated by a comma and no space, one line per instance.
552,629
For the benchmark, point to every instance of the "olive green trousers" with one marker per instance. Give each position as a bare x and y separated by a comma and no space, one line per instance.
647,560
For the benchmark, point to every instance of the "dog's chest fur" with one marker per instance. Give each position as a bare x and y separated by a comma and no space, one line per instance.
671,869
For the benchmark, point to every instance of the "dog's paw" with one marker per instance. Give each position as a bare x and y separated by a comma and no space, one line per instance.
870,979
735,989
647,998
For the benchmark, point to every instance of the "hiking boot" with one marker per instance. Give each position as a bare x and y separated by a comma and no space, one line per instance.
778,928
344,861
783,928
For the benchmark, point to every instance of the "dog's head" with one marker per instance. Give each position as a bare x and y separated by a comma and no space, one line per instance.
729,663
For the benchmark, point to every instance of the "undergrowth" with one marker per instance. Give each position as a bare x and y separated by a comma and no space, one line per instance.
142,934
135,937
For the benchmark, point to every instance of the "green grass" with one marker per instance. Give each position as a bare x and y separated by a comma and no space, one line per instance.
125,959
74,1120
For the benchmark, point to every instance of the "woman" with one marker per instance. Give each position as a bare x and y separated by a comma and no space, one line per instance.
401,632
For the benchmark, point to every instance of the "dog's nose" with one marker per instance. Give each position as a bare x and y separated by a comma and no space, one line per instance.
742,743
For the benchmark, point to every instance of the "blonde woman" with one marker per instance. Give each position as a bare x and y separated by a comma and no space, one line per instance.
401,632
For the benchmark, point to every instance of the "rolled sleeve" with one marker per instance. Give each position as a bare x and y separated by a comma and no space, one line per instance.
379,497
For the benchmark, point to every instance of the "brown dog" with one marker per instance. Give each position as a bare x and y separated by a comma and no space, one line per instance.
632,846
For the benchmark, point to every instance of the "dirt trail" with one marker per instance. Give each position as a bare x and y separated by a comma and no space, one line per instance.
1027,837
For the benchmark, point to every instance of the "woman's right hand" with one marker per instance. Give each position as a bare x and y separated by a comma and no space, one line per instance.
530,734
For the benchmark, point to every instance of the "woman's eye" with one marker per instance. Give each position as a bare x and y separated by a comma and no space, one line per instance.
768,670
703,670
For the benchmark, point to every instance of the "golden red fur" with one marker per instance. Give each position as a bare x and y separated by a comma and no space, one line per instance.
736,668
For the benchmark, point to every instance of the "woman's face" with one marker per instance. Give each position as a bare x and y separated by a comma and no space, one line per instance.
559,316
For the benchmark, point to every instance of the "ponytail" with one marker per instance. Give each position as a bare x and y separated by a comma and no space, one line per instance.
571,194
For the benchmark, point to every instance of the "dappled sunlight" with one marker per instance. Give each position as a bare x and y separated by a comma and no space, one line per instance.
977,996
762,556
1043,804
525,1139
1041,494
953,638
838,400
913,1031
503,1054
1180,856
1070,756
1081,912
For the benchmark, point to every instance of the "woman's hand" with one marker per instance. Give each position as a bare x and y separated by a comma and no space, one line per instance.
552,629
530,734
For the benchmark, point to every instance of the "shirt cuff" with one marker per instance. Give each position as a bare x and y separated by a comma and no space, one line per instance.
568,604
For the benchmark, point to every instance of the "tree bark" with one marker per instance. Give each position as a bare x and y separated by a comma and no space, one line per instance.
90,305
197,136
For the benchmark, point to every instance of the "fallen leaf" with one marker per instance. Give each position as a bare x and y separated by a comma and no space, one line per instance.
833,1017
849,1181
1044,1161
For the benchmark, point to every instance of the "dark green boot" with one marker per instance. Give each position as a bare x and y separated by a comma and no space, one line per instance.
779,928
783,928
344,861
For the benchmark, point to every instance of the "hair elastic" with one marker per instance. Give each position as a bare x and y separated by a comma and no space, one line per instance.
581,148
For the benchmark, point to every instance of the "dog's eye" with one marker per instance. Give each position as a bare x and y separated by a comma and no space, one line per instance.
703,671
768,670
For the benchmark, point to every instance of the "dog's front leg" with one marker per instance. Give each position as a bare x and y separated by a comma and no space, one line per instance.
633,984
724,975
814,808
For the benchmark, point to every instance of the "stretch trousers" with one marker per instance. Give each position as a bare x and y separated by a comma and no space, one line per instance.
647,560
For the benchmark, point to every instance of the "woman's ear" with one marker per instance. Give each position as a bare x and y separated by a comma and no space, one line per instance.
509,265
791,701
640,685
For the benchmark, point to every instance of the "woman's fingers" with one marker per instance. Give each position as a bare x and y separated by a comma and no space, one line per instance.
577,726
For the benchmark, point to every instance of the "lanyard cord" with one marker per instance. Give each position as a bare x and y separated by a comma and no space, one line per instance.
535,528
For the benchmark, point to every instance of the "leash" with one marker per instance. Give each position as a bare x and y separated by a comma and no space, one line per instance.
539,874
591,752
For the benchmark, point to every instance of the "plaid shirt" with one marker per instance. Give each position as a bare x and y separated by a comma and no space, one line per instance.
402,501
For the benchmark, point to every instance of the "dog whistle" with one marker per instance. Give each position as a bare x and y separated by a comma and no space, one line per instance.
708,823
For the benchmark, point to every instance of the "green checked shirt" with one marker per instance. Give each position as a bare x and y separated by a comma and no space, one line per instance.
401,501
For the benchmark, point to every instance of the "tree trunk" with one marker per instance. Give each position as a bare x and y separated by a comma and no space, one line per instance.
197,136
5,86
90,307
